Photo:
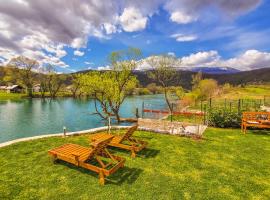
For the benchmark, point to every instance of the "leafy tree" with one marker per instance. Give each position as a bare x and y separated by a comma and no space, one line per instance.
25,70
54,81
76,84
110,88
8,75
164,72
207,88
153,88
179,92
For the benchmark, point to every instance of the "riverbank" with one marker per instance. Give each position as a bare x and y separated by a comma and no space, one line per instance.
93,130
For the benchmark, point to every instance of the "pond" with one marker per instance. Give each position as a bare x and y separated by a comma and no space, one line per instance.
31,117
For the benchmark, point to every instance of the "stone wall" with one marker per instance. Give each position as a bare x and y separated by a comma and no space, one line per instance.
175,128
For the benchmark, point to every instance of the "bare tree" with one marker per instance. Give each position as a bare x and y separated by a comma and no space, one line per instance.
163,71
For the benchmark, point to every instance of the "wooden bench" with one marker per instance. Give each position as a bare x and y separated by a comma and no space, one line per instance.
255,119
105,162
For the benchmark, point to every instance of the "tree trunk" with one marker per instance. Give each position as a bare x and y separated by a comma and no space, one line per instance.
167,100
29,92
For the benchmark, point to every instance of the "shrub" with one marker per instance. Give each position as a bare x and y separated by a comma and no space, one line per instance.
223,119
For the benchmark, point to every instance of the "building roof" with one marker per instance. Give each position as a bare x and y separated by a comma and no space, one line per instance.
12,87
3,87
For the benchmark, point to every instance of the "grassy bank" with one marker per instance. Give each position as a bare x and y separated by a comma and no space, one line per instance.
18,96
11,96
225,165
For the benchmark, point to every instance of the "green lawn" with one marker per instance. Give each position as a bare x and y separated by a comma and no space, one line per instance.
224,165
11,96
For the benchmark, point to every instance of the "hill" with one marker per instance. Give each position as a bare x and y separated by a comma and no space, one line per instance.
184,77
236,78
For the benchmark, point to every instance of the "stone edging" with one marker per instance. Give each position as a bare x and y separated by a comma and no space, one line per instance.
93,130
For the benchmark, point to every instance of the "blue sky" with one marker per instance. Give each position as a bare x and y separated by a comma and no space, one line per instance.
77,36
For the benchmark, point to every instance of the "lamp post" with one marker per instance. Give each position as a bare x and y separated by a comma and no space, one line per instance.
64,131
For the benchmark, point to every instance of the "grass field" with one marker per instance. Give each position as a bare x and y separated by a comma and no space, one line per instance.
248,92
224,165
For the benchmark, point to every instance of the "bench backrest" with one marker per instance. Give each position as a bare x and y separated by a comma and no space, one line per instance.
256,116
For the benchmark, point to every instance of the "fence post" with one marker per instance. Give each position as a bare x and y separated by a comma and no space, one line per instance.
210,103
225,104
204,116
137,113
230,106
172,113
239,105
143,109
201,107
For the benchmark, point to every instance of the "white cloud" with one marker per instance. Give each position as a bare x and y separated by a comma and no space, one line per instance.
78,42
107,67
184,38
132,20
251,59
200,59
182,18
186,11
171,54
78,53
89,63
110,28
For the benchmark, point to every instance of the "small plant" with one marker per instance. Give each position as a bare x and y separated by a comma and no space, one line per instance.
223,119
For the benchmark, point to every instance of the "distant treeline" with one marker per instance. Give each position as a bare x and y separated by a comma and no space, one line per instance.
184,78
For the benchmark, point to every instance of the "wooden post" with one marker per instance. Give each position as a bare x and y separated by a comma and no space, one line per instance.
239,105
172,113
204,116
201,107
225,104
137,113
109,124
230,106
210,103
143,109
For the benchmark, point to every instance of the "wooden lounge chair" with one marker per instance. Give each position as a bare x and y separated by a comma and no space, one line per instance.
96,158
125,141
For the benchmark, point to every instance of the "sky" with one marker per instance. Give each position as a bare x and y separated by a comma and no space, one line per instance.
76,35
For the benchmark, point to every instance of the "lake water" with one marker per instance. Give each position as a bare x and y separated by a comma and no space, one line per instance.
31,117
